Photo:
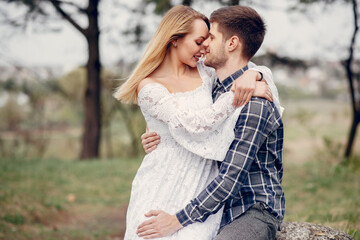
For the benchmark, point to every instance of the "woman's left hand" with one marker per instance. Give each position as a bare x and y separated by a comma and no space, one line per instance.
262,90
244,87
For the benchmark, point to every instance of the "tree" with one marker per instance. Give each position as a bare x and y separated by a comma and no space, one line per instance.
163,5
352,76
92,120
352,79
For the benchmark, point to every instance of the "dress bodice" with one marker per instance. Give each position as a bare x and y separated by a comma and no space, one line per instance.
194,99
190,118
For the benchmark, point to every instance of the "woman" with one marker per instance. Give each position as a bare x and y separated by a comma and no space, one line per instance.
173,90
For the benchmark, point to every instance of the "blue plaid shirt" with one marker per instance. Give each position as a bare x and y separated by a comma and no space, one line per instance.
252,169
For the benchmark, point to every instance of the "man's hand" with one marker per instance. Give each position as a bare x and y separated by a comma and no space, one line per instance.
150,141
162,224
244,87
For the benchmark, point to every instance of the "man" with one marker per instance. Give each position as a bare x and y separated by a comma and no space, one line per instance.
249,180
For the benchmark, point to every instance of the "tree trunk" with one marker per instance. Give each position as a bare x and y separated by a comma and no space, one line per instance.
92,121
187,2
234,2
356,121
349,73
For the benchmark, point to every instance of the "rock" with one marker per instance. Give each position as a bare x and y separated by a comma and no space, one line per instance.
309,231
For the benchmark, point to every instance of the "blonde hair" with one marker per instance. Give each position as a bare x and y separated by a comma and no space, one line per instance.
176,23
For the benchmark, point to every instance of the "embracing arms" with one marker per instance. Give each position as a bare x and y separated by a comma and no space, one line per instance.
254,124
244,88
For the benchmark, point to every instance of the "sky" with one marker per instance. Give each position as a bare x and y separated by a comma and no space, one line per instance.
321,32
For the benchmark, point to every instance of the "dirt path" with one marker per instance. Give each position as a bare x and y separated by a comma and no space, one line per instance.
95,222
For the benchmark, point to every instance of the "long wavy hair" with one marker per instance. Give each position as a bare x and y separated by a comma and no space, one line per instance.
176,23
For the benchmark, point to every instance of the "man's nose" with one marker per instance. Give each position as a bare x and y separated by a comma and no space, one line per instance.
206,42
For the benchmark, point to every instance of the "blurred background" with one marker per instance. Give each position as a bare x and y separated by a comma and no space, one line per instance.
69,150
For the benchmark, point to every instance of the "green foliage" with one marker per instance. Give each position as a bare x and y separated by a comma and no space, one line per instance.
17,219
48,123
73,84
11,113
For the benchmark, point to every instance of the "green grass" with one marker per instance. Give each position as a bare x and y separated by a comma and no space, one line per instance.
325,193
46,199
36,197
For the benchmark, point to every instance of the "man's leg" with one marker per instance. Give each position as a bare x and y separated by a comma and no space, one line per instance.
255,224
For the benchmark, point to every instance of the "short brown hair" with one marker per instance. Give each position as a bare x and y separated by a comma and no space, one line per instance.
245,23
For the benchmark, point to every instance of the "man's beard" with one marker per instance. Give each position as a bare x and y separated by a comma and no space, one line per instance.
218,60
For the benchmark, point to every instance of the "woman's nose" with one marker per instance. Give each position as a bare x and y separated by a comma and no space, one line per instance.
206,43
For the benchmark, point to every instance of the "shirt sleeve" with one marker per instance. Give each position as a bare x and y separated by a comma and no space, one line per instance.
201,131
251,128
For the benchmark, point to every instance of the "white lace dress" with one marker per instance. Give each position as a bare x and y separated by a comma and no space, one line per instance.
192,129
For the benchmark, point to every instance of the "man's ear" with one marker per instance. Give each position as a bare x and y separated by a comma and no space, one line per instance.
233,43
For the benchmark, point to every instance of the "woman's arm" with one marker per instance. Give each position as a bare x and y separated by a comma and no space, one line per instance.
249,84
155,100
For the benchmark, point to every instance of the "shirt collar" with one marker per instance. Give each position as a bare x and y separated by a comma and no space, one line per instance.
227,83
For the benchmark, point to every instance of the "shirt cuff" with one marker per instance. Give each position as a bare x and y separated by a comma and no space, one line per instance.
183,218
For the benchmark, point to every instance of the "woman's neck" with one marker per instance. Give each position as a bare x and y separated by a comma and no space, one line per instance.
171,66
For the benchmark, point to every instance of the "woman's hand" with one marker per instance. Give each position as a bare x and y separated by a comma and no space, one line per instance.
263,90
150,141
247,86
244,87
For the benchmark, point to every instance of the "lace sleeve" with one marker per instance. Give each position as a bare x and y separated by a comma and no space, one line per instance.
206,132
208,74
156,101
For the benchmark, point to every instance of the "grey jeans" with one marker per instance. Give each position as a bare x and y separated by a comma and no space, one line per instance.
255,224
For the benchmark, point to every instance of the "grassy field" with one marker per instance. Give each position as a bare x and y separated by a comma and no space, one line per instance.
71,199
57,199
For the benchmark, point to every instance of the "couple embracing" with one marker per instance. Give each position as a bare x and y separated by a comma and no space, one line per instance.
216,172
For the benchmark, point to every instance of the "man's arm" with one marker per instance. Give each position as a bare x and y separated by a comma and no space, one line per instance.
251,127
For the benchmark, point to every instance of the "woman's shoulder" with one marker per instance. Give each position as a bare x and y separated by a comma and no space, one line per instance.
148,81
150,85
144,82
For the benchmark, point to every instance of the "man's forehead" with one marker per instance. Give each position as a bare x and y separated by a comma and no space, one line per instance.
213,25
214,28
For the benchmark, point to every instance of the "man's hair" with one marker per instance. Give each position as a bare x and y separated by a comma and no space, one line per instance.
245,23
